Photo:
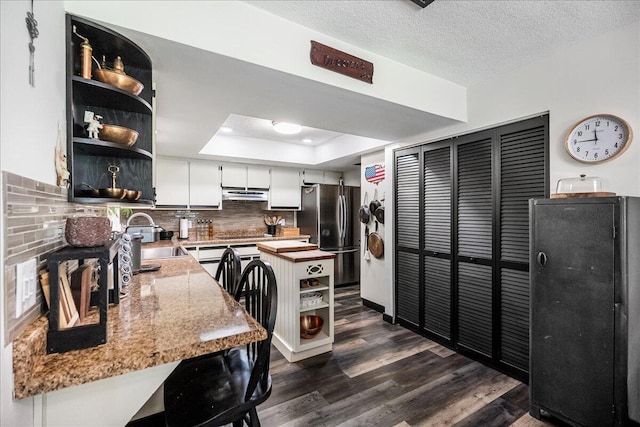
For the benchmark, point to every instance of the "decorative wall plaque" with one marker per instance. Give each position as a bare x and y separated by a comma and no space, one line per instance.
341,62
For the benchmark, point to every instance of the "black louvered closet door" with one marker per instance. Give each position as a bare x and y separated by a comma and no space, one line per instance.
437,240
474,231
522,177
462,239
407,200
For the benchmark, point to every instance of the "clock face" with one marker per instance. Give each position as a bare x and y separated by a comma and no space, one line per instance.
598,138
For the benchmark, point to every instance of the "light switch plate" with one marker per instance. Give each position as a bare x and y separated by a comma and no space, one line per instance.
26,282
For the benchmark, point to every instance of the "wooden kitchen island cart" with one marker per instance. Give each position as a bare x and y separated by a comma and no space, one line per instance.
305,287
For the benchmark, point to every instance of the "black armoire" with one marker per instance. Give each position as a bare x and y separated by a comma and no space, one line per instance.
585,310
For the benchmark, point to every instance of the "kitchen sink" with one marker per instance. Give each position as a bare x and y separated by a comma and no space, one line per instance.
160,253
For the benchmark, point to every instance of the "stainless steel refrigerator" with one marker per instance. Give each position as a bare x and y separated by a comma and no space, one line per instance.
330,216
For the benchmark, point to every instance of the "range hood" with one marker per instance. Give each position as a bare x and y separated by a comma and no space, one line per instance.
246,195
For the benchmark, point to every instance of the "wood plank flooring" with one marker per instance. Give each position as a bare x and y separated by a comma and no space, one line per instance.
384,375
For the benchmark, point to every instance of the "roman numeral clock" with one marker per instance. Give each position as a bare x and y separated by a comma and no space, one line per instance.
598,138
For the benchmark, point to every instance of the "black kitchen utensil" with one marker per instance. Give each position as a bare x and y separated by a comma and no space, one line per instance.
375,203
367,254
379,212
365,214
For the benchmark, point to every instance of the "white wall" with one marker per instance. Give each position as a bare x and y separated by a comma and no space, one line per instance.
373,281
29,118
30,115
241,31
600,75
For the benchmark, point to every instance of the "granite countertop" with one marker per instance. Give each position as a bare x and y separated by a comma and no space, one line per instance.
171,314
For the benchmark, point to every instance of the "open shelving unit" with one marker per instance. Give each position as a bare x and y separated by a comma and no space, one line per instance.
88,159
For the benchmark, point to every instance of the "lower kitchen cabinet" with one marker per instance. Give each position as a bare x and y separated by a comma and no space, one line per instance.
209,255
585,310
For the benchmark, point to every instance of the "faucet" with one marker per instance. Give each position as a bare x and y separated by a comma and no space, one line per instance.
137,214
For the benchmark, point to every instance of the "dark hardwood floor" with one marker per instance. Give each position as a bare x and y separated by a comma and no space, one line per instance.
384,375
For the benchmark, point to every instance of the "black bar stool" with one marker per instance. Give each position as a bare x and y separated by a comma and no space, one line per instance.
227,388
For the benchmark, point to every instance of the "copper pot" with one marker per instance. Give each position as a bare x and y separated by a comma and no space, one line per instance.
118,134
121,81
112,193
133,194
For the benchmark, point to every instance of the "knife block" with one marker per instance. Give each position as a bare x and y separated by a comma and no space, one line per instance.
70,337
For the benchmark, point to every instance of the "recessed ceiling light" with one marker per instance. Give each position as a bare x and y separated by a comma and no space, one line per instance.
226,129
307,140
286,128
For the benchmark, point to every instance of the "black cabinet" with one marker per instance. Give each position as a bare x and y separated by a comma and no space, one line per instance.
585,301
88,159
462,239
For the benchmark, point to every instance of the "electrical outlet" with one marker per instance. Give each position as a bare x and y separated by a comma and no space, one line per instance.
26,282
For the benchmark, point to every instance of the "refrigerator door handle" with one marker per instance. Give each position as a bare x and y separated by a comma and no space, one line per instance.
340,218
344,218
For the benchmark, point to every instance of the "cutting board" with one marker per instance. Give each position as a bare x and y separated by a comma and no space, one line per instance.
570,195
280,246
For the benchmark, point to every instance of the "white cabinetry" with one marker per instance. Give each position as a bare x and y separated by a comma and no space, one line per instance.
284,192
311,176
244,176
204,184
172,182
294,272
257,176
187,183
234,175
209,255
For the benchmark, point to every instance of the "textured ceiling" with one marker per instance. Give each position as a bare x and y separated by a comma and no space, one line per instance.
461,41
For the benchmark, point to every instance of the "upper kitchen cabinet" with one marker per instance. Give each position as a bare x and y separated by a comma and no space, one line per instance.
310,176
172,182
184,183
284,192
245,176
108,76
204,185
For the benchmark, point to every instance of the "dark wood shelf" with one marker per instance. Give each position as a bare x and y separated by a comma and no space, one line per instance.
94,147
89,159
107,96
111,201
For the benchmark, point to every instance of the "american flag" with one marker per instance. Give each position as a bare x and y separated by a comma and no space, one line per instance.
374,173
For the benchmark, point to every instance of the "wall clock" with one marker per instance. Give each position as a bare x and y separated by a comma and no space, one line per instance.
598,138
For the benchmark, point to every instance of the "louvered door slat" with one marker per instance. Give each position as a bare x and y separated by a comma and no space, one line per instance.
407,287
437,299
474,307
407,200
515,318
474,199
522,155
437,200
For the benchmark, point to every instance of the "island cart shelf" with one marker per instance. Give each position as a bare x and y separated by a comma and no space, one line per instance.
301,269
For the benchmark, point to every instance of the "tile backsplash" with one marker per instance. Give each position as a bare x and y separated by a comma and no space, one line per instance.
34,220
235,217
